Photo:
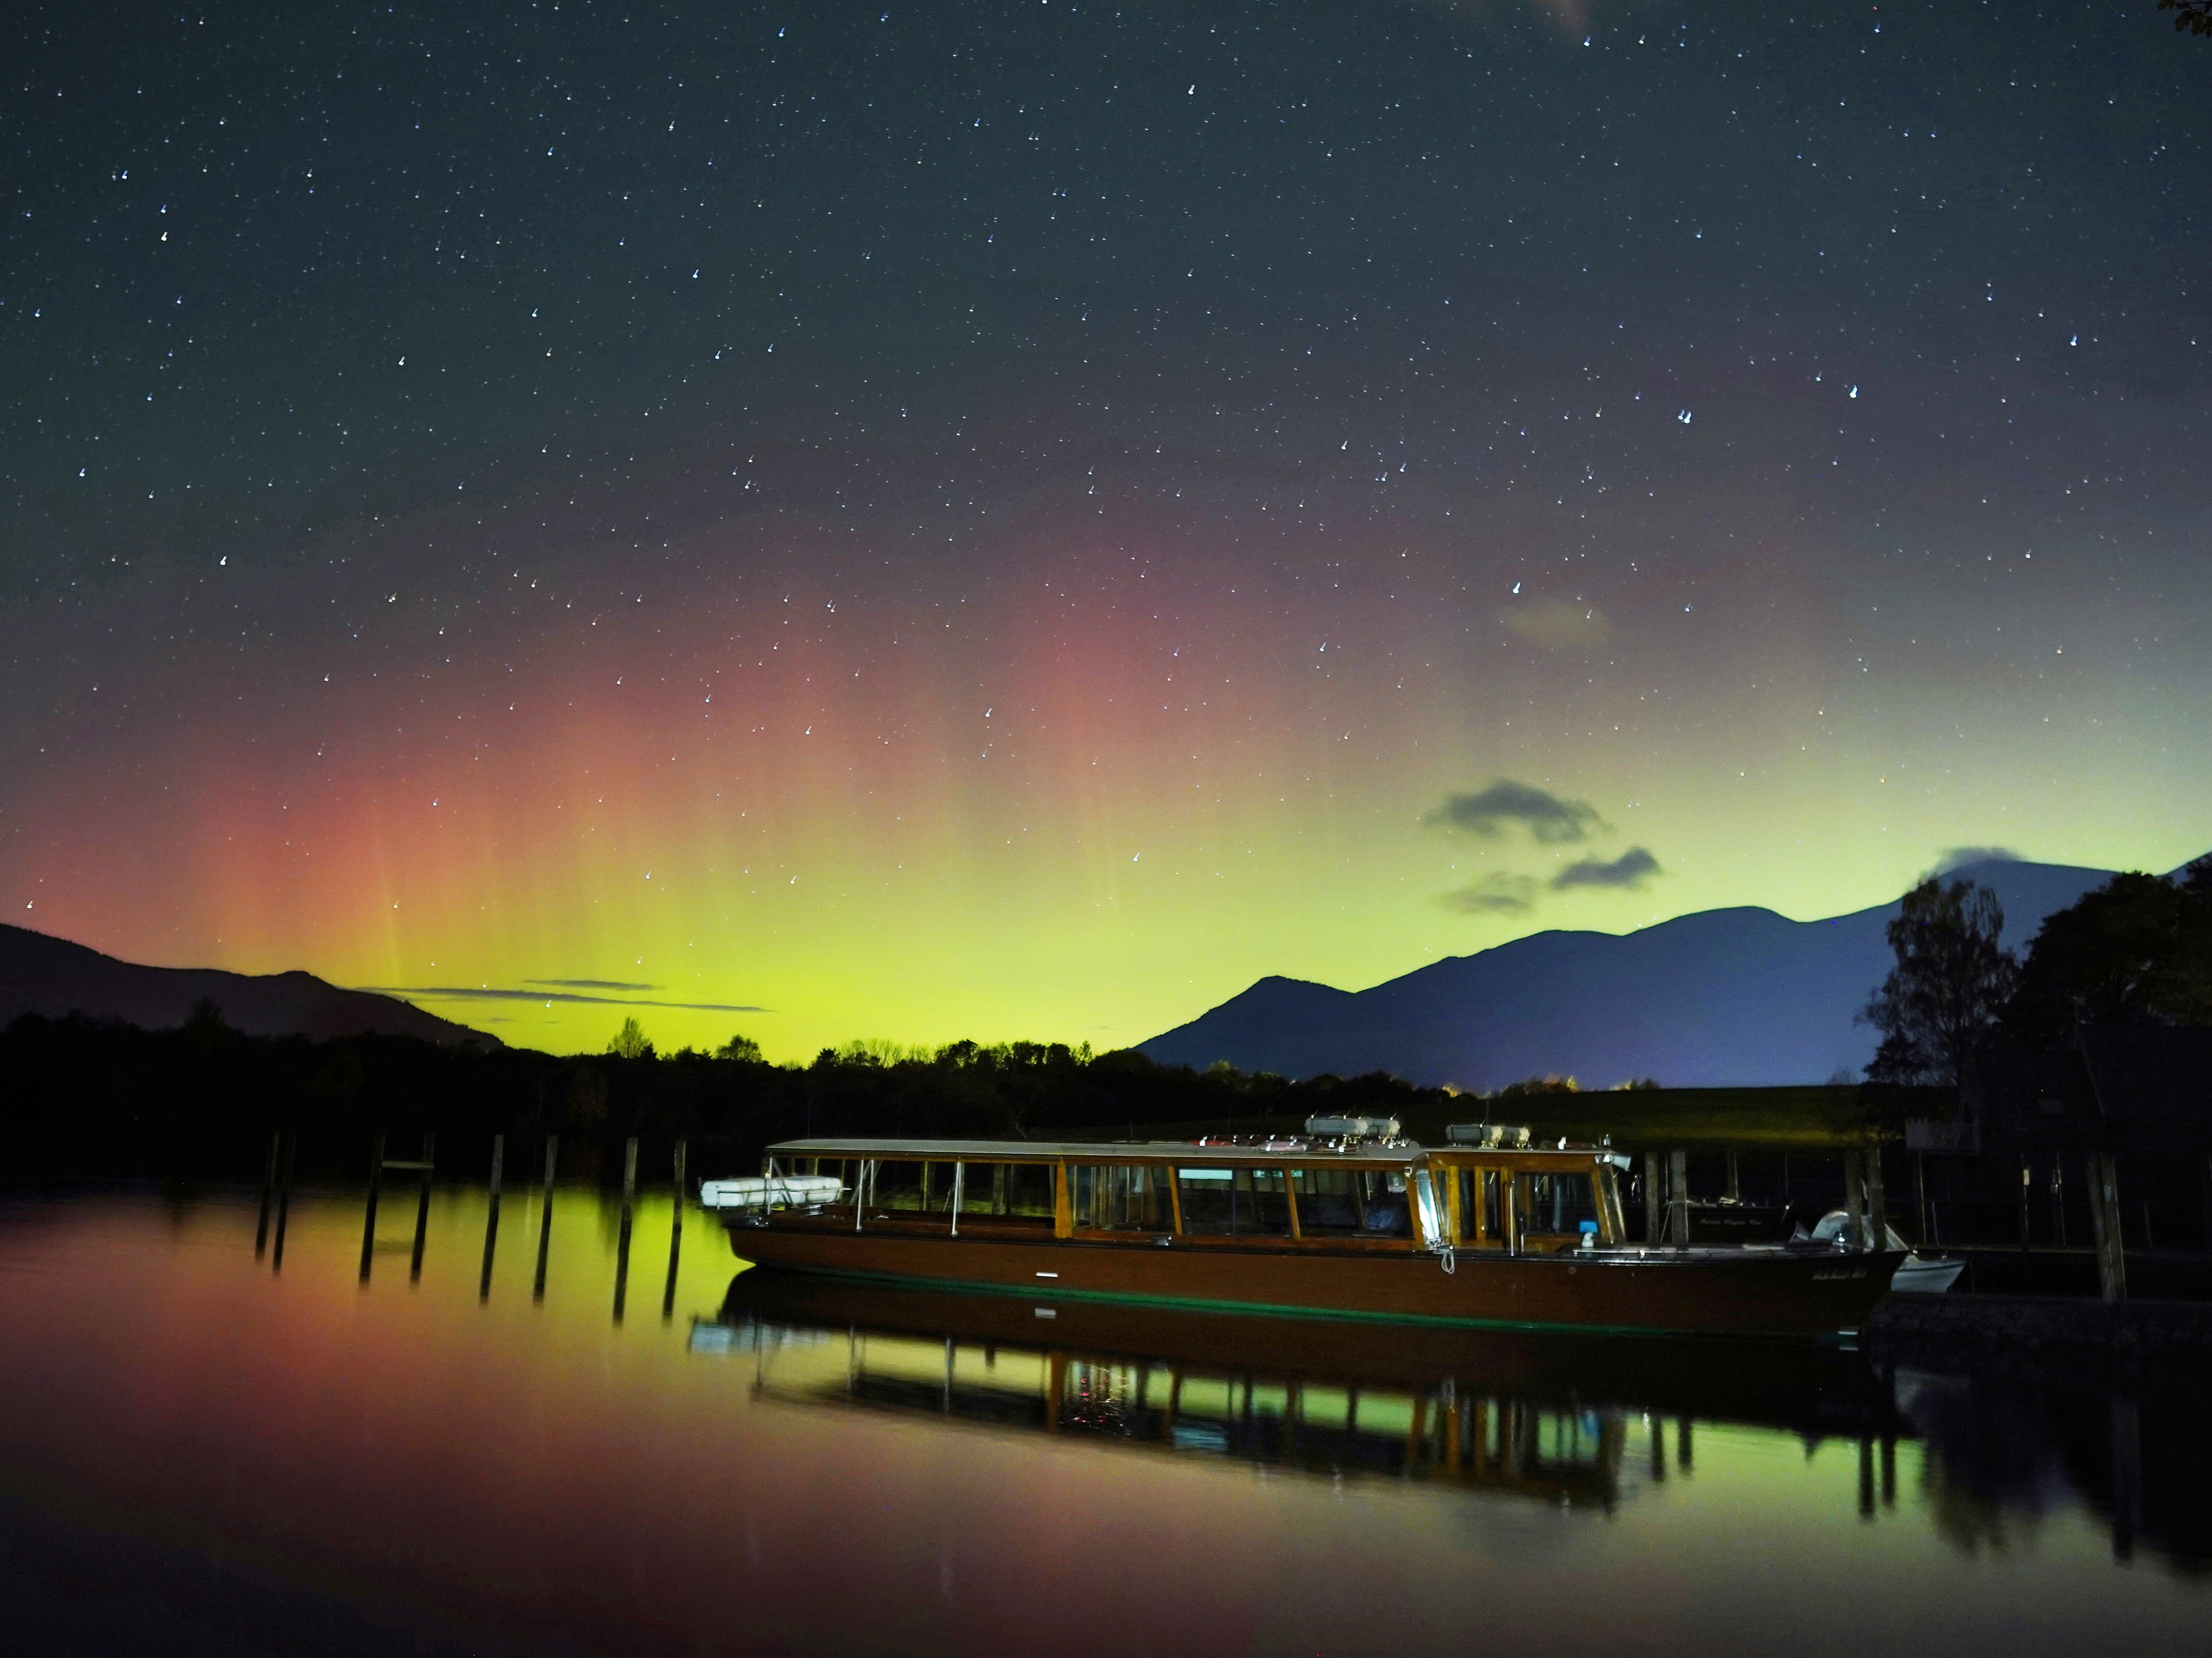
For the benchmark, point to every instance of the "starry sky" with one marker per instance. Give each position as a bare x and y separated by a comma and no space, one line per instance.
1017,519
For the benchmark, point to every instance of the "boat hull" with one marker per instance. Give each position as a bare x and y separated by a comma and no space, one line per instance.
1687,1292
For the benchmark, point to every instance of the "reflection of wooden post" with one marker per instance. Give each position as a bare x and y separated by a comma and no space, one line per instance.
1866,1477
2127,1475
676,1237
1658,1452
1055,1381
1655,1197
2105,1224
1684,1457
268,1194
1889,1471
422,1209
284,1200
491,1218
368,1220
546,1218
1678,1199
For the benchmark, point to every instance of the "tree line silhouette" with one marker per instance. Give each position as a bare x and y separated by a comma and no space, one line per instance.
2136,952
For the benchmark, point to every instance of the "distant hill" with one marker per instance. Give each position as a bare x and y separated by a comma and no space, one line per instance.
52,976
1721,998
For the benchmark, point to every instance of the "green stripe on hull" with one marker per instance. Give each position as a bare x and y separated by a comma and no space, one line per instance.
907,1281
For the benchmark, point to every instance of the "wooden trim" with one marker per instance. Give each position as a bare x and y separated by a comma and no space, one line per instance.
1290,1199
1063,1202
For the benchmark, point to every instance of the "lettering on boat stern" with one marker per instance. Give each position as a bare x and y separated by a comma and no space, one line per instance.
1834,1272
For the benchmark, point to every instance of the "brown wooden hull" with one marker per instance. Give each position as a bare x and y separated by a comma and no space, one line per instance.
1761,1294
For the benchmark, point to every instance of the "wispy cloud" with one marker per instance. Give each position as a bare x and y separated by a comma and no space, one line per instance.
1493,895
1630,870
591,985
501,993
1548,817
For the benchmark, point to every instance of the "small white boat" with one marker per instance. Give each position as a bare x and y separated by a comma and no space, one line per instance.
1925,1275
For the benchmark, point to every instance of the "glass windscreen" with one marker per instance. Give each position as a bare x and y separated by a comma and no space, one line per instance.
1351,1202
1235,1202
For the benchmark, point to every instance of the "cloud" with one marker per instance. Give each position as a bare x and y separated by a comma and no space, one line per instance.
1493,895
1955,857
1556,624
1545,815
591,985
492,993
1630,870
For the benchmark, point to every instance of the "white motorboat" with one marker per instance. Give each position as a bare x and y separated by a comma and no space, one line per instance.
1926,1274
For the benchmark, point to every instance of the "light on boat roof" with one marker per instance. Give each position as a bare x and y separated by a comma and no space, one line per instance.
1353,1128
1488,1134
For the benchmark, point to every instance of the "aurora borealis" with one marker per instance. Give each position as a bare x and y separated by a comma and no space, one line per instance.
997,520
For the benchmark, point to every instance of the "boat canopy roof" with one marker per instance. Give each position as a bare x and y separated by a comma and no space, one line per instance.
1098,1151
1254,1153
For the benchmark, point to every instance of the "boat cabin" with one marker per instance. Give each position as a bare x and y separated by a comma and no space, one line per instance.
1342,1195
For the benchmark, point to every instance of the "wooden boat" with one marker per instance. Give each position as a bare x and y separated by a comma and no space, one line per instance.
1355,1225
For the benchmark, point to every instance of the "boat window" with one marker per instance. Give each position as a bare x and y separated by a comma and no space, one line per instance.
1481,1213
1007,1192
1120,1197
1557,1205
1235,1202
1347,1202
915,1188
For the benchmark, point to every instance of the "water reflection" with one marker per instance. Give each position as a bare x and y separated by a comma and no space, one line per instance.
1540,1417
467,1462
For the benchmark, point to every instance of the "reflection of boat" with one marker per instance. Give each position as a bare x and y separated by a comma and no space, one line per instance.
1488,1233
1807,1389
1559,1452
1926,1274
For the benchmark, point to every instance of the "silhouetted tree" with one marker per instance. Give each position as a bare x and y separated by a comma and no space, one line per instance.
1951,978
2193,15
629,1042
2137,951
739,1047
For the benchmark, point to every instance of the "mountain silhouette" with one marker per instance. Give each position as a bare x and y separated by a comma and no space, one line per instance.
1738,997
52,976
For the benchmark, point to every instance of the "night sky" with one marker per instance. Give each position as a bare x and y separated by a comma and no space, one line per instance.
1017,519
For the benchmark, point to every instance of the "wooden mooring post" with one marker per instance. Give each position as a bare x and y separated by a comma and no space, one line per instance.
1877,1210
546,1218
1678,1199
491,1218
2105,1227
1855,1204
1655,1200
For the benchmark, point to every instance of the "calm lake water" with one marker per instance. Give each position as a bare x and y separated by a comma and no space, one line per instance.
202,1451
